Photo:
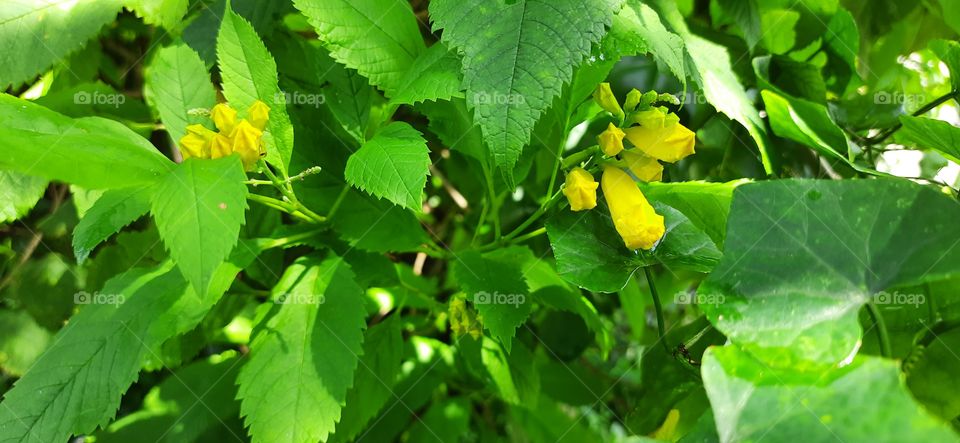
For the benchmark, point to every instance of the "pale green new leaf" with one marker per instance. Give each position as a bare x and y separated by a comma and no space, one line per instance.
378,38
18,194
435,75
166,13
199,208
178,82
394,165
516,59
91,152
249,74
36,34
115,209
303,359
76,385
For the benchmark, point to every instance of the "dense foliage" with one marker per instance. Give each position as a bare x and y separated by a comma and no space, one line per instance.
479,220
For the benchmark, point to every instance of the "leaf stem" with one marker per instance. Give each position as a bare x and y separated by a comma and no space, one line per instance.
882,335
661,333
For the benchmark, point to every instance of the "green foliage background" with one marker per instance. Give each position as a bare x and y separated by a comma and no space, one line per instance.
403,267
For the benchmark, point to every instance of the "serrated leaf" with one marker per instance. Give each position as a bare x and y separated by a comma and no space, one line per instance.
19,193
178,82
36,34
115,209
637,29
302,362
46,144
516,58
76,385
199,208
820,250
249,74
166,13
434,75
394,164
378,38
376,225
498,291
865,400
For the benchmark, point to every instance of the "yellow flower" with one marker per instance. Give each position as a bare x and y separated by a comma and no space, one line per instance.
661,136
611,140
644,167
243,136
224,118
604,97
580,189
196,143
635,220
247,143
258,114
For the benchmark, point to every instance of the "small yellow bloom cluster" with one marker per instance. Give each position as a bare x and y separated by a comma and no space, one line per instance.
462,320
243,137
656,136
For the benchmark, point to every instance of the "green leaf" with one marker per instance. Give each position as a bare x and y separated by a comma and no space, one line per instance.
790,77
22,343
91,152
519,60
931,134
498,291
434,75
302,361
378,38
178,82
115,209
199,208
637,29
349,98
19,193
806,123
249,74
592,255
374,380
447,420
36,34
375,225
394,165
189,405
930,372
706,205
566,300
513,375
714,73
166,13
865,400
75,386
819,250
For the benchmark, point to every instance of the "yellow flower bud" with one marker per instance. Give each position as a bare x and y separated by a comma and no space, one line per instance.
196,142
604,97
611,140
258,114
580,189
221,146
246,142
224,118
644,167
662,138
638,224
